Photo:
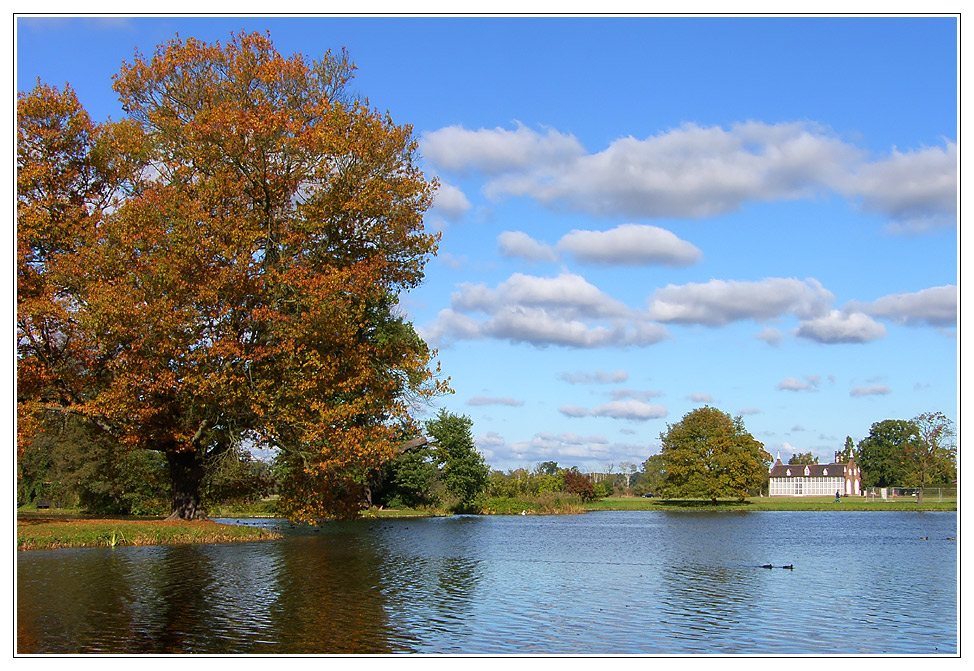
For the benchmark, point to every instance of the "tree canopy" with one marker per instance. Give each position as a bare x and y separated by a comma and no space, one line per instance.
909,453
222,267
709,454
465,474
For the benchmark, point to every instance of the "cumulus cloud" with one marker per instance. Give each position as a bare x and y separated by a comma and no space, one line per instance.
490,400
521,245
936,306
917,189
810,383
566,448
636,394
839,327
632,410
596,377
565,311
876,390
695,171
719,302
573,411
630,245
691,171
625,245
451,202
490,151
700,398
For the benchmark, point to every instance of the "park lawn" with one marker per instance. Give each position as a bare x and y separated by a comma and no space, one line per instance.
48,533
773,503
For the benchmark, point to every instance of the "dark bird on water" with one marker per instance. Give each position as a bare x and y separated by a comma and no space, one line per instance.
766,566
791,566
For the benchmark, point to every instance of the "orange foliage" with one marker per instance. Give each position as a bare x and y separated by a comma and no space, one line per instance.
233,271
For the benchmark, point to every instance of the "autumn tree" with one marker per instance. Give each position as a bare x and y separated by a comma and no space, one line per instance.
222,267
709,454
579,484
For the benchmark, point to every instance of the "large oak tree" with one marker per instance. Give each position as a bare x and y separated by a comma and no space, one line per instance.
223,267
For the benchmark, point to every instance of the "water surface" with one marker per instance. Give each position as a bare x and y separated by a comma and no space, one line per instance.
601,583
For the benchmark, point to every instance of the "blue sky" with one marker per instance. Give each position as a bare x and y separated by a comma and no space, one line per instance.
641,216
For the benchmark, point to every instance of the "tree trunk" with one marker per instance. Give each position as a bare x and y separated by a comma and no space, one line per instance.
185,474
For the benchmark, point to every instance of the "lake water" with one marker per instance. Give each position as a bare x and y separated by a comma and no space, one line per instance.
646,583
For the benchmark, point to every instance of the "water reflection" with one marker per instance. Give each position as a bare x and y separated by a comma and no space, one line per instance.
603,583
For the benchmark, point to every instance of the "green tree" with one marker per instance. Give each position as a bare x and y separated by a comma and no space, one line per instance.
547,468
409,480
709,454
931,458
847,451
882,454
654,474
72,463
803,458
464,472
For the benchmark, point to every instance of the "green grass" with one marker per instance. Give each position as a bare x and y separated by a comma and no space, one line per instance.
48,533
771,503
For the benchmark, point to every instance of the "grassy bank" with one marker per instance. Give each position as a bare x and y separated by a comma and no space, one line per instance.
773,503
44,530
48,533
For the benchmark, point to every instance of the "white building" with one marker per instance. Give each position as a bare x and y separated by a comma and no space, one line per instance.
815,479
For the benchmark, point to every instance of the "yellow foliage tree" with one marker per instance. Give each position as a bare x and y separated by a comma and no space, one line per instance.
240,281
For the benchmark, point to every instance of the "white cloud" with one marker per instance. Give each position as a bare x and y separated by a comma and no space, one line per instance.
876,390
720,302
590,453
563,311
573,411
634,410
490,400
772,336
567,294
700,398
451,202
917,189
625,245
636,394
690,171
597,377
695,171
936,306
810,383
457,149
838,327
521,245
630,245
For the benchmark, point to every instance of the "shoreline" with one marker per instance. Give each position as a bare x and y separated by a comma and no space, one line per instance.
55,529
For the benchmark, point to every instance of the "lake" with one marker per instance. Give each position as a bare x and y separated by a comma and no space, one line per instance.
642,583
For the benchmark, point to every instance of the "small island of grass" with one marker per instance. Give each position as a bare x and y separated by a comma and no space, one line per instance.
50,532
